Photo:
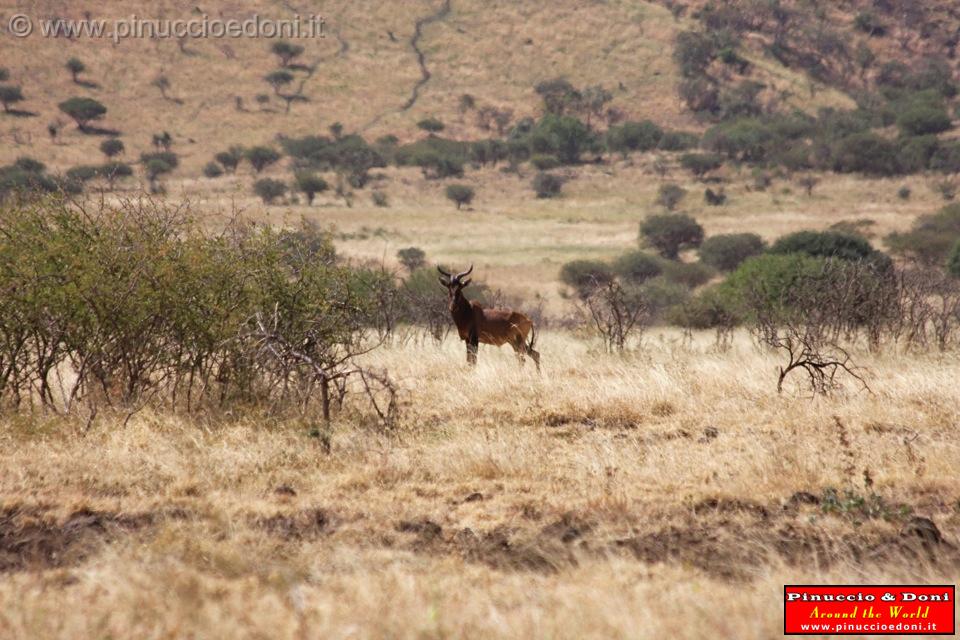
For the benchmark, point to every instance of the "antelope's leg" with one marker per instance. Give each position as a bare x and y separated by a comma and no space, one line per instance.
473,344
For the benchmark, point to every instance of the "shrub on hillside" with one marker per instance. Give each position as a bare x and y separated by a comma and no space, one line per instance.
83,110
726,252
310,185
866,153
931,237
111,147
544,162
670,195
230,158
700,164
924,120
269,189
547,185
460,194
953,260
212,170
412,258
678,141
633,136
563,136
638,266
431,125
261,157
10,95
585,276
671,233
687,274
824,244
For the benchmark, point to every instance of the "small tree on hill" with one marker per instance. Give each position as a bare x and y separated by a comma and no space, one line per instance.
726,252
10,95
412,258
261,157
547,185
310,185
230,158
953,261
111,147
212,170
278,79
460,194
670,195
154,168
671,233
286,51
75,66
269,189
113,171
431,125
83,110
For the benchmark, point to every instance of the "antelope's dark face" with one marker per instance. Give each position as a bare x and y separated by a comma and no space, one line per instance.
454,284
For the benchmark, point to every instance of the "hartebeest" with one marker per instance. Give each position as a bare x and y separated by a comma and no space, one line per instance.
475,324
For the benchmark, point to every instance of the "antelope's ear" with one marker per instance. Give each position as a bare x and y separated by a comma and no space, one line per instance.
465,283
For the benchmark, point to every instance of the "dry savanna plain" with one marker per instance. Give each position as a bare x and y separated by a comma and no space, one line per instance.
666,492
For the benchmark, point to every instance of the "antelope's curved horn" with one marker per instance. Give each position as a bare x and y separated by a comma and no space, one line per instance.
465,273
443,273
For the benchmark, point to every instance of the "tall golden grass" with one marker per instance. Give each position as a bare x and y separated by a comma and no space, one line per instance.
609,497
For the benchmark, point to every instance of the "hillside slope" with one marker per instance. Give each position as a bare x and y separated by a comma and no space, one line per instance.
361,73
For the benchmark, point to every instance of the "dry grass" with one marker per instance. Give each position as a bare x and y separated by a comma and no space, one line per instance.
608,495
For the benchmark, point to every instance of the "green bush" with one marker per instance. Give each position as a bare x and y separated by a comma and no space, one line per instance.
946,158
687,274
726,252
693,52
10,95
154,309
83,173
866,153
634,136
824,244
30,165
953,260
432,125
167,157
924,120
638,266
111,147
286,51
310,185
412,258
547,185
584,276
563,136
746,139
113,171
261,157
931,237
663,297
671,233
212,170
269,189
701,164
678,141
75,66
379,199
83,110
544,162
230,158
460,194
670,195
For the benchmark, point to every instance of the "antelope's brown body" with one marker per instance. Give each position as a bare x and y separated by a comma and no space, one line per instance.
477,324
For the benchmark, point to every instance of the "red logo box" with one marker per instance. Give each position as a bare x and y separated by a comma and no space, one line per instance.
869,610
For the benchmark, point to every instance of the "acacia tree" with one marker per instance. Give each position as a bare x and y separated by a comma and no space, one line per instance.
75,66
83,110
460,194
10,95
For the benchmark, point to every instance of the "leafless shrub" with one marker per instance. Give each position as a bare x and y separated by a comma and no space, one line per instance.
617,312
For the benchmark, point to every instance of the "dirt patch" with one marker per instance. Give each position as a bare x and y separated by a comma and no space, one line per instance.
725,538
31,538
306,524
